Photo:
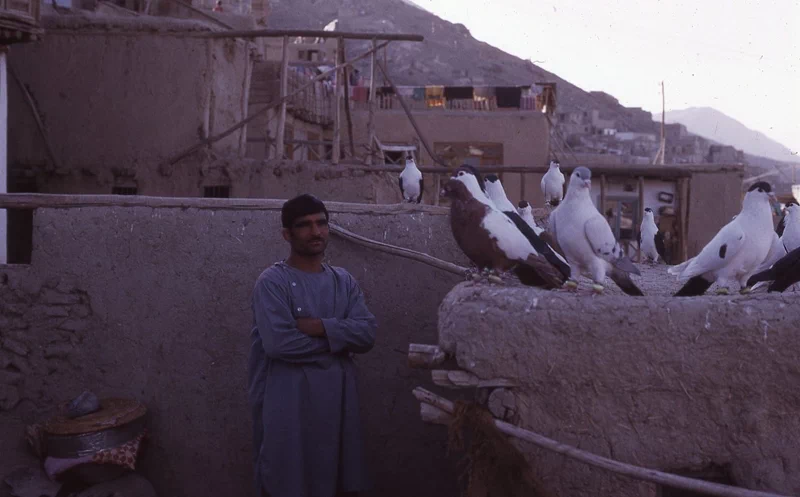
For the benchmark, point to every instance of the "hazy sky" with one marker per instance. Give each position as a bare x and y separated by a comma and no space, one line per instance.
740,57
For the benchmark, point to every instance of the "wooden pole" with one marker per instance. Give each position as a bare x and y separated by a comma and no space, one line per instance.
337,110
268,107
437,187
413,121
346,72
663,135
641,217
683,184
281,133
399,251
602,208
644,474
372,102
36,116
522,192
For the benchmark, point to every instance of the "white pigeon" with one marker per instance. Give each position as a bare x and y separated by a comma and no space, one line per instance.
526,213
650,239
553,184
497,194
586,238
791,230
411,182
737,250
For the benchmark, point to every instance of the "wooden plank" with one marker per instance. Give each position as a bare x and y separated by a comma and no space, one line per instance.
683,185
53,201
645,474
346,102
281,132
464,379
372,102
337,109
602,206
641,217
421,356
310,33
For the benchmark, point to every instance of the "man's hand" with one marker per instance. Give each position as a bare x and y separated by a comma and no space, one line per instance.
312,327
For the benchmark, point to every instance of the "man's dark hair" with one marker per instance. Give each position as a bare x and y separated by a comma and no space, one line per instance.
301,206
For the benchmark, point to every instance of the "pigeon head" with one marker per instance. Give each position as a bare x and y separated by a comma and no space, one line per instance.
455,189
648,213
761,191
554,164
494,188
523,204
581,177
793,210
467,169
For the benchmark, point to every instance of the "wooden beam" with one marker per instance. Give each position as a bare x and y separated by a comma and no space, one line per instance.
337,110
36,115
346,102
602,206
399,251
645,474
464,379
281,132
372,104
683,196
422,356
269,106
310,33
641,217
54,201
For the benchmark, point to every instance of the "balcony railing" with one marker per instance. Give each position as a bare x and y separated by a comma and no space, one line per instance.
19,20
421,98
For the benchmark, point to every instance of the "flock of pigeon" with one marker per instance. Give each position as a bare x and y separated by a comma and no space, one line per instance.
497,237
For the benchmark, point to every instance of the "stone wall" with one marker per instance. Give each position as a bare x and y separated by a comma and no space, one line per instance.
674,384
154,303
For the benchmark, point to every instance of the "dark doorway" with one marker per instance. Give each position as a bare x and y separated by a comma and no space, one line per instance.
20,223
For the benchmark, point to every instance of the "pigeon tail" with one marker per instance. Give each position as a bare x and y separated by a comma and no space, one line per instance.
695,287
624,263
766,275
624,282
537,271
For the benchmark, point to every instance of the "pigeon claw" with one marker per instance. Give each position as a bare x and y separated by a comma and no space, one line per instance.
495,279
723,291
598,289
746,290
571,285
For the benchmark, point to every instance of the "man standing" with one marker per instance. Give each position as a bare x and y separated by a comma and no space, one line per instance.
308,319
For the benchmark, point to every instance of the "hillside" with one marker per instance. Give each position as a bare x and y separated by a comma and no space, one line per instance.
714,125
449,54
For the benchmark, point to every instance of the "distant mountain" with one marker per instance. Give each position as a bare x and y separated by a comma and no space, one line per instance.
448,56
714,125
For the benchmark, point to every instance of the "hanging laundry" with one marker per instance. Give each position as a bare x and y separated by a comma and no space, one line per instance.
458,92
508,97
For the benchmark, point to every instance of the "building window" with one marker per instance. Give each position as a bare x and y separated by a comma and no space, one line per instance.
124,190
217,191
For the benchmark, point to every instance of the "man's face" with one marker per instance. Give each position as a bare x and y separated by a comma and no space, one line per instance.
308,235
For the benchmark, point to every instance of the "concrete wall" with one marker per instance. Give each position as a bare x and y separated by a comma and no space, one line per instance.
119,95
674,384
154,303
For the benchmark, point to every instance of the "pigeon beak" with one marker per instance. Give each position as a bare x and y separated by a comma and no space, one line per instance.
588,183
